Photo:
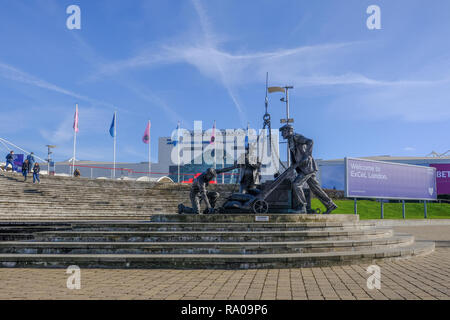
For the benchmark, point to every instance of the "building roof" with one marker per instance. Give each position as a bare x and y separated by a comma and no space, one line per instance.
390,158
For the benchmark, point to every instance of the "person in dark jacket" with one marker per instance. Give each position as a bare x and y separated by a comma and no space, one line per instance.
25,169
31,160
10,160
300,149
36,170
77,173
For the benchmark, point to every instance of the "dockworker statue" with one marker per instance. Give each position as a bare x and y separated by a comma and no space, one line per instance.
301,159
249,175
200,193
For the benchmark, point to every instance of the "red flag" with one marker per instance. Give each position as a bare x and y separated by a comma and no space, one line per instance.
146,137
75,121
213,136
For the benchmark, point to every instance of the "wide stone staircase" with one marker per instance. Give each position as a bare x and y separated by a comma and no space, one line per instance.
66,198
132,228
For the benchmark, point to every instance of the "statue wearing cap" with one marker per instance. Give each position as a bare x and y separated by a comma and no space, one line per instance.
249,176
200,193
300,149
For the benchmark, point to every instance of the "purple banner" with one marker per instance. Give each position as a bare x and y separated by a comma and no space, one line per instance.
387,180
18,161
442,177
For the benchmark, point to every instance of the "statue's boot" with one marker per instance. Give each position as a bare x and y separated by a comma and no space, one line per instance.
301,209
186,210
330,208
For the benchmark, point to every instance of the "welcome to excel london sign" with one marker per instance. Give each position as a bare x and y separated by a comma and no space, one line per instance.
387,180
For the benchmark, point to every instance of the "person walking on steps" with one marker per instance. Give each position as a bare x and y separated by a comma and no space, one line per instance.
25,169
36,170
31,160
10,160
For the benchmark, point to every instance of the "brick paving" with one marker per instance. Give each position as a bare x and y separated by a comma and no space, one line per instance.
425,277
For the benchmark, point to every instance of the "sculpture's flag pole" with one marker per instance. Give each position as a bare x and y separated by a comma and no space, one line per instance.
149,151
213,139
178,142
75,130
113,133
146,139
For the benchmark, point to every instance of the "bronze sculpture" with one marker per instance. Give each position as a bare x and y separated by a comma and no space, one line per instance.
249,175
305,166
200,193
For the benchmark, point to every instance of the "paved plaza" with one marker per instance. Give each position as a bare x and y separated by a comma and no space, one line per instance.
425,277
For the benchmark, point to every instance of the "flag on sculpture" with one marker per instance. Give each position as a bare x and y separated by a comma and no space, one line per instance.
146,137
113,126
276,89
213,136
75,121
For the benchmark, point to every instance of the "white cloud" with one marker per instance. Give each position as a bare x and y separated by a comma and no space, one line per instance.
410,102
14,74
301,66
105,69
11,73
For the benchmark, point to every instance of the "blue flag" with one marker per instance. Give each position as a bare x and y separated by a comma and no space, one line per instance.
175,137
113,125
246,139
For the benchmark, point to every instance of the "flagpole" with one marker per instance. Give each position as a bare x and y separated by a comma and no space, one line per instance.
74,139
215,153
223,160
74,152
115,134
178,139
149,151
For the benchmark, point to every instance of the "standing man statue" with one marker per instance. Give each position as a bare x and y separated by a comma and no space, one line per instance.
249,175
306,167
200,193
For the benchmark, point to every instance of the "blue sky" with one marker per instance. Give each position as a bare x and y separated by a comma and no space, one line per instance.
358,92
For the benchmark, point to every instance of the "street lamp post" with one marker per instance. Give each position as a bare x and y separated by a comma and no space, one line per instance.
287,120
49,152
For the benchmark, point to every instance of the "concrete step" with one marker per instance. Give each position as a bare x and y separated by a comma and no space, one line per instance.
180,226
72,217
211,236
31,229
15,236
191,226
23,247
66,221
272,217
218,261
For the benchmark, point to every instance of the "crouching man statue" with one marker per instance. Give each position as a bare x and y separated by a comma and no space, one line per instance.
200,193
306,168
